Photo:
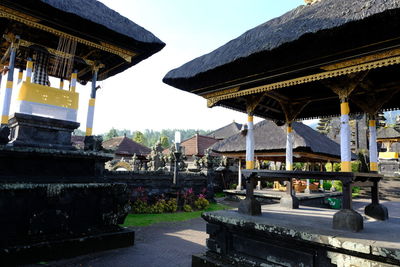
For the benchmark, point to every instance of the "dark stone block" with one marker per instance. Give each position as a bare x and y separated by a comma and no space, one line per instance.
66,248
4,134
349,220
377,211
250,206
93,143
289,202
36,131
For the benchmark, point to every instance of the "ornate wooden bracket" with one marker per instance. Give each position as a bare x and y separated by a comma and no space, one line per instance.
252,102
373,102
344,86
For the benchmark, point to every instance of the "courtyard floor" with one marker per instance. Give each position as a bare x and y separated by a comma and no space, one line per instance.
170,244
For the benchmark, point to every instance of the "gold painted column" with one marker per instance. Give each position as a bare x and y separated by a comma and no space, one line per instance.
9,86
345,148
373,148
250,143
92,102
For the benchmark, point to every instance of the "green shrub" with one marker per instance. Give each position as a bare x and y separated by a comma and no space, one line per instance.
171,205
139,206
327,185
338,185
356,189
187,208
201,203
158,207
233,186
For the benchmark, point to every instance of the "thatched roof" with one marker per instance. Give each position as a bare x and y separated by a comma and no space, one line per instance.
226,131
270,138
124,146
301,35
387,133
87,19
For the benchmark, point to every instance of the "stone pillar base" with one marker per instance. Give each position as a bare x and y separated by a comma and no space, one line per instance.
250,206
289,202
377,211
349,220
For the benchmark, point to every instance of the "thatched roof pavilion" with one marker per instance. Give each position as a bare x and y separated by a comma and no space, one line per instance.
226,131
270,144
304,53
102,34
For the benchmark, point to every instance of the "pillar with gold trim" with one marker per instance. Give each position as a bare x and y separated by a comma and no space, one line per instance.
345,145
250,205
92,102
20,75
373,148
29,68
250,143
9,86
289,200
289,147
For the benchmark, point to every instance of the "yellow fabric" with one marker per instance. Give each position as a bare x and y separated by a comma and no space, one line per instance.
38,93
388,155
4,119
289,167
372,123
20,75
346,166
250,118
92,101
289,129
249,165
373,166
344,108
89,131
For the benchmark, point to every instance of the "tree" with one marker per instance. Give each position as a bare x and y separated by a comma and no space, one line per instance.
139,138
111,134
164,141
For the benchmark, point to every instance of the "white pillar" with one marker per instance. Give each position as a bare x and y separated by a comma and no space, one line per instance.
373,148
250,144
289,147
92,102
345,149
9,87
239,185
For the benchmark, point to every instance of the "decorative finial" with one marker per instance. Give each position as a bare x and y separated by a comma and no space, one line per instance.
310,2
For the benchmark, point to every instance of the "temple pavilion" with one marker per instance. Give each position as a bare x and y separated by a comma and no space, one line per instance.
326,58
74,41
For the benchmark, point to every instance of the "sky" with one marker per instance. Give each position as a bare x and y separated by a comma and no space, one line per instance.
137,99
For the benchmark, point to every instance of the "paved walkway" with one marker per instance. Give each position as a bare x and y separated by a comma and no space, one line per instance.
169,244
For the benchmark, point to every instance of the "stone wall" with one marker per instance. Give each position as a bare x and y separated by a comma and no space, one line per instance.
156,183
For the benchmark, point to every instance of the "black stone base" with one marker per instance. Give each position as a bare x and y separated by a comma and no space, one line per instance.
37,131
377,211
250,206
348,220
66,248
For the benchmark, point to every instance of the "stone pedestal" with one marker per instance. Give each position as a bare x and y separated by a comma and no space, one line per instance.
35,131
54,200
279,238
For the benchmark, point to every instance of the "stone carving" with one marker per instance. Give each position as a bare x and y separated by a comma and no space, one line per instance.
4,134
93,143
156,158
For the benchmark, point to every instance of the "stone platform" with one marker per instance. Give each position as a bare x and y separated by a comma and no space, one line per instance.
300,237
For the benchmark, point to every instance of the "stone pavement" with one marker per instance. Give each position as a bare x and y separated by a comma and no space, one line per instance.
168,244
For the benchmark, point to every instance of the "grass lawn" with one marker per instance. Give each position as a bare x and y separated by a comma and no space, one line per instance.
148,219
